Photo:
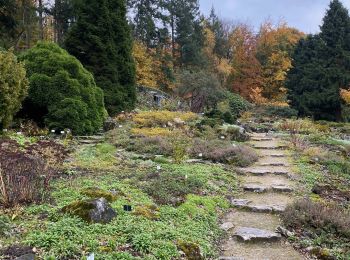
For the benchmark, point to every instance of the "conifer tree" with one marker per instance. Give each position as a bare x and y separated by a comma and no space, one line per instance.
189,33
322,67
101,40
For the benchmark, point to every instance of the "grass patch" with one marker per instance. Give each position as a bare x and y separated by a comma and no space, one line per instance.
101,156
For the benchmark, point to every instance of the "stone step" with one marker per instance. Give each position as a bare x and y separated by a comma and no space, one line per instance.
247,205
261,139
274,164
258,188
262,172
265,209
263,147
248,234
282,188
255,188
280,250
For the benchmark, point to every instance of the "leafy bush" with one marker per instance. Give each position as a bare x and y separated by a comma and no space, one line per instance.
222,152
151,145
151,132
203,88
62,93
280,111
161,118
233,133
13,87
171,188
328,225
302,126
233,106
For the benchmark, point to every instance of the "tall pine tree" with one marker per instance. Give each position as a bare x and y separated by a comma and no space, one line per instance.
322,67
189,33
101,40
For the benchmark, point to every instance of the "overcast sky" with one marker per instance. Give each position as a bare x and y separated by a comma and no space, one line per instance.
306,15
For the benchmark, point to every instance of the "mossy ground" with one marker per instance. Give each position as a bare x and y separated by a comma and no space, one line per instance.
151,231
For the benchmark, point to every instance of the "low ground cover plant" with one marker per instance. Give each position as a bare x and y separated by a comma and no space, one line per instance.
326,227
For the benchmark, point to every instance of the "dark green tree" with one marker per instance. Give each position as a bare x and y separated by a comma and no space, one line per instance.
322,67
148,22
222,48
101,40
62,93
189,33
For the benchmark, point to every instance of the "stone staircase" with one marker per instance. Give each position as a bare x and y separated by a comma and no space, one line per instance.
267,189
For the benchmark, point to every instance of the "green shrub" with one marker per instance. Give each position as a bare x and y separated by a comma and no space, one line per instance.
327,225
62,93
13,87
171,188
233,104
223,152
280,111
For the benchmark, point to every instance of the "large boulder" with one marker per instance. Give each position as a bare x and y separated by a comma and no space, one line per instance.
92,211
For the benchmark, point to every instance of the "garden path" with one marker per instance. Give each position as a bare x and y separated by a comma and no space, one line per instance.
267,187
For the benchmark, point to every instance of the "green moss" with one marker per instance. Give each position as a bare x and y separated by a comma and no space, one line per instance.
96,193
80,209
148,211
191,250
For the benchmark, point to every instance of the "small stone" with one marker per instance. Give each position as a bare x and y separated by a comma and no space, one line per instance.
284,232
254,234
179,121
227,226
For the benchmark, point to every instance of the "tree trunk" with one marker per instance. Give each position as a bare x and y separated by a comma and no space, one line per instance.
41,21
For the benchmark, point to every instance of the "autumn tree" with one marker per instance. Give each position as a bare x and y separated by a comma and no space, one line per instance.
275,45
246,69
145,63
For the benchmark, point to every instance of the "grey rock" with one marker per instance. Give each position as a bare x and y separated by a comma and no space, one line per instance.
240,202
255,188
284,232
254,234
102,212
26,257
227,226
92,211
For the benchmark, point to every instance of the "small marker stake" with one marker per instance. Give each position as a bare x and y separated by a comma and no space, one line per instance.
127,208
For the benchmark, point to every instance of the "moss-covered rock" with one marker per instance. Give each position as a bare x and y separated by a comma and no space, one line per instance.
92,211
149,211
191,250
96,193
